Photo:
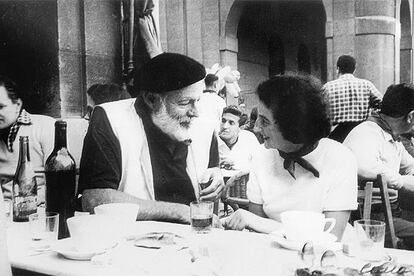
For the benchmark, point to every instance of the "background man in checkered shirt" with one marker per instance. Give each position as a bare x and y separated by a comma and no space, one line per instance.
349,98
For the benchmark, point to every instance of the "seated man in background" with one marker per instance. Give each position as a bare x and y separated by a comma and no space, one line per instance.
153,150
377,148
103,93
236,146
15,122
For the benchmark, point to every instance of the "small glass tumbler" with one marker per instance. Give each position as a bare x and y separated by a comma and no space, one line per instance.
44,229
8,208
370,239
201,215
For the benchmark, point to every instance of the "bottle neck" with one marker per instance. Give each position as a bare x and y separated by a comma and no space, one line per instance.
60,137
24,151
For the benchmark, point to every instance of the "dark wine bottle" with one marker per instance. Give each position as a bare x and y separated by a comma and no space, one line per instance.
24,190
60,170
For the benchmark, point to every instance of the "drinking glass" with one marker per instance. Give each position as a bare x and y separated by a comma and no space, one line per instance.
201,214
8,207
370,239
44,229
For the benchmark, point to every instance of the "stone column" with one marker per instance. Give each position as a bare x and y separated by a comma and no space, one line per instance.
71,57
340,32
102,41
89,49
377,41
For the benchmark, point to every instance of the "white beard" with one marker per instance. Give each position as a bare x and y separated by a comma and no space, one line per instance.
170,125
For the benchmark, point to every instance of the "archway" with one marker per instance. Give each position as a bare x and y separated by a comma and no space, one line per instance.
406,49
29,52
268,35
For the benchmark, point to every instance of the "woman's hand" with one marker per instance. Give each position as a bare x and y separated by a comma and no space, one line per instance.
239,220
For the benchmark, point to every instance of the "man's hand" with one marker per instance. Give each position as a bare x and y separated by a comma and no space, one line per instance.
214,190
227,164
233,180
239,220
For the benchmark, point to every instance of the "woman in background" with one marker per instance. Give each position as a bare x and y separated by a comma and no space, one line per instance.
300,169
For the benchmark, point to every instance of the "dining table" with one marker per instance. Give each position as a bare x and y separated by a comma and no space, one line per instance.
220,252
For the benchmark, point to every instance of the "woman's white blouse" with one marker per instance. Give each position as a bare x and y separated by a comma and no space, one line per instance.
335,190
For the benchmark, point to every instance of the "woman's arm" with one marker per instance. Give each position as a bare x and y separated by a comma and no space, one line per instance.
255,219
341,218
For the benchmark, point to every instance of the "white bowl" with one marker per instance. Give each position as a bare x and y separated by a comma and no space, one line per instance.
94,233
125,213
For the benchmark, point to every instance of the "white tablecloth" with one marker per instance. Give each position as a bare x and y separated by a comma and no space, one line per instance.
221,253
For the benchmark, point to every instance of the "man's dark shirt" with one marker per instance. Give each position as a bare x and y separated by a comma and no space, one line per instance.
101,165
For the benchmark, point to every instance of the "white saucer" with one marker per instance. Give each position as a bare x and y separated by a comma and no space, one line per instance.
326,241
66,248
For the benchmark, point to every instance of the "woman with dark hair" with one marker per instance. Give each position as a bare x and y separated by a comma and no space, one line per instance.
300,169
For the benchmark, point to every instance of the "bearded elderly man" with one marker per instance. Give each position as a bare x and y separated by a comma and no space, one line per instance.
153,150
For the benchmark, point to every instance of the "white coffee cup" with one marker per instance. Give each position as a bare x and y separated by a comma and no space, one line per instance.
125,213
94,233
305,225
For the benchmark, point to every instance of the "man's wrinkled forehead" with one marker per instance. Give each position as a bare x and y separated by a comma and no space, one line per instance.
192,91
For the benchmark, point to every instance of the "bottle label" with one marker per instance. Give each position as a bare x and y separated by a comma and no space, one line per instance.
24,206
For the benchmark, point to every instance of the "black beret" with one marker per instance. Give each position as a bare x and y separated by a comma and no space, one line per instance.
168,72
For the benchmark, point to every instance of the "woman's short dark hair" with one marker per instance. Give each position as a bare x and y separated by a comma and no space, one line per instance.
102,93
398,100
11,87
298,107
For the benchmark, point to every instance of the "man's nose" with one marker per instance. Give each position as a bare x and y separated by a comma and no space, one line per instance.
193,111
257,127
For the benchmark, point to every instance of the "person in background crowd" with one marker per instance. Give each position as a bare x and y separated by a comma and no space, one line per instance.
375,143
349,98
300,170
249,126
153,150
211,105
103,93
236,146
222,93
4,259
15,121
407,139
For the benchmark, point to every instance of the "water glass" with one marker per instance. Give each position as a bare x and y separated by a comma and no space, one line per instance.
370,239
8,207
201,215
43,229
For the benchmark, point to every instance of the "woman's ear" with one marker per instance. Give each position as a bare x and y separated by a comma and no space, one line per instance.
410,117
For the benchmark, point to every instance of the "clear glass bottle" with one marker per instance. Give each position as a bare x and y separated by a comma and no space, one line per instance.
60,170
24,191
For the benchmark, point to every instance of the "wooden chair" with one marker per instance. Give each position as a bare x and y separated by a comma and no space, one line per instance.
236,194
365,200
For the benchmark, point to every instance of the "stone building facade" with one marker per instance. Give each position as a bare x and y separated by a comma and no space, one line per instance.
57,48
261,38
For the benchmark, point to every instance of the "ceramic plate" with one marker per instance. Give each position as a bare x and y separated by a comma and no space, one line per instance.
325,241
66,248
159,240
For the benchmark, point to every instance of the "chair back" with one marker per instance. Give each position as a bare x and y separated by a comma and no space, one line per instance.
366,189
